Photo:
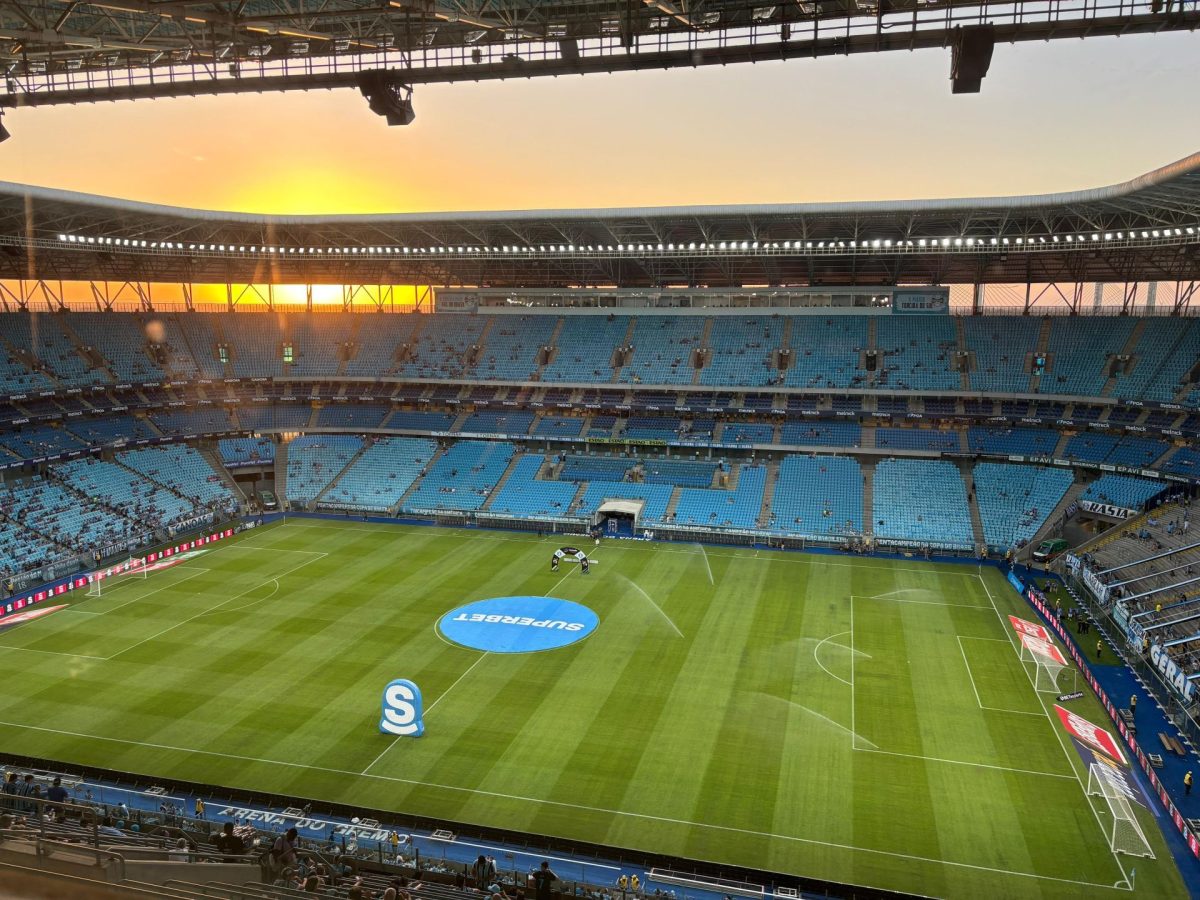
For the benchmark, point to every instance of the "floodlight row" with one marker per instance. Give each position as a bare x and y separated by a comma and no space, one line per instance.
822,246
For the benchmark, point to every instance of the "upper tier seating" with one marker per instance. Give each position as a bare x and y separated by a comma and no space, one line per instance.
748,433
463,477
381,474
1125,491
1080,347
922,501
1000,345
818,497
403,419
352,415
498,421
265,418
314,460
511,349
662,350
585,348
524,495
916,439
440,348
559,426
318,340
110,430
122,341
1015,500
821,434
1167,350
918,353
194,421
1018,441
1098,447
826,352
741,351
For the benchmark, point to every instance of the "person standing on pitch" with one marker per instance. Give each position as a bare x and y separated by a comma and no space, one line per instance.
1099,648
544,878
1133,706
1187,783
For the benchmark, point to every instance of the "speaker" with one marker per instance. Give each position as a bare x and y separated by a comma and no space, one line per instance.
971,56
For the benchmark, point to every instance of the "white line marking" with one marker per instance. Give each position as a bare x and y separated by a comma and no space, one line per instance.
817,657
214,612
812,712
52,652
853,704
218,606
246,545
923,602
596,809
970,675
1016,712
704,554
197,571
426,711
1004,626
637,587
960,762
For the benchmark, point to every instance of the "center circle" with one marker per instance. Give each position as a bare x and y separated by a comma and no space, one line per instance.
518,624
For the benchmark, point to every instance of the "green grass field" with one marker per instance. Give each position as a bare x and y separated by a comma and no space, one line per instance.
852,719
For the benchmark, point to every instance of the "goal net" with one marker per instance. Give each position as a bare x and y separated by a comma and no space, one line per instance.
102,581
1047,660
1124,833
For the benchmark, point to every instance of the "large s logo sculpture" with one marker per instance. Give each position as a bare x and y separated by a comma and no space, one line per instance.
402,709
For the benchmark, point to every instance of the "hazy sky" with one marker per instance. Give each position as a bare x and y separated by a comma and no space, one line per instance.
1059,116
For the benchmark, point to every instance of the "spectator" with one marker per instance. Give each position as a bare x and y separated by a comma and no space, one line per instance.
180,853
543,881
229,843
283,851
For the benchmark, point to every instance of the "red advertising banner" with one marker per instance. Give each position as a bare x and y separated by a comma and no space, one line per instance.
1024,626
1043,648
1092,735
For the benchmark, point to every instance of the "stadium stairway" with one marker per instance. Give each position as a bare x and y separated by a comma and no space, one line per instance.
764,514
457,424
705,346
968,477
625,342
868,472
1163,457
495,491
281,454
90,355
1135,338
213,458
867,439
346,468
416,485
1061,447
961,333
1043,346
870,345
552,343
669,513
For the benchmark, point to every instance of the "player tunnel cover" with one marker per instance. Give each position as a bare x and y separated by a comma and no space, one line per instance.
518,624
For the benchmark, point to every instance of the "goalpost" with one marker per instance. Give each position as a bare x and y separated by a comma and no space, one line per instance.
1047,669
1126,834
113,576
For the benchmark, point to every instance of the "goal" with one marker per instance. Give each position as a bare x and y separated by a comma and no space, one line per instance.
1124,833
1047,666
104,580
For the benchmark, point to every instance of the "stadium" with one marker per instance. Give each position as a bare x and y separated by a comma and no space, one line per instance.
693,552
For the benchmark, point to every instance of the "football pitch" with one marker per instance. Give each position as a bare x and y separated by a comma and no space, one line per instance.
853,719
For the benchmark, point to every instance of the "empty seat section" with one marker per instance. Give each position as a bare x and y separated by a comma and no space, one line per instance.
523,494
559,426
498,421
742,350
826,352
110,430
510,351
736,508
318,341
116,486
585,348
916,439
1124,491
1019,441
42,337
1167,349
1015,500
921,502
652,428
1080,348
32,443
679,472
237,452
204,420
409,420
352,415
122,340
440,348
918,353
381,475
314,460
1000,345
748,433
595,468
662,350
818,497
821,434
463,477
376,346
184,470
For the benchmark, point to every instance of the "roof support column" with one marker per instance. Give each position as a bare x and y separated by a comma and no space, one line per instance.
977,299
1184,291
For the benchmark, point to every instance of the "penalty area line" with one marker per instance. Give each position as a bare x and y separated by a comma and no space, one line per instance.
560,803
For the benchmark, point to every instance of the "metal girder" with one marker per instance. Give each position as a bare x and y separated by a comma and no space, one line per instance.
68,51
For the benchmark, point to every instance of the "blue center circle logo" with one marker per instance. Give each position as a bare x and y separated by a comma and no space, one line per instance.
518,624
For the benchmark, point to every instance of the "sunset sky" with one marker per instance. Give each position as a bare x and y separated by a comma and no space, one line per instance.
1060,116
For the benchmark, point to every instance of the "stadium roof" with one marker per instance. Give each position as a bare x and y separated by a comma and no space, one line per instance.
1146,229
70,51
